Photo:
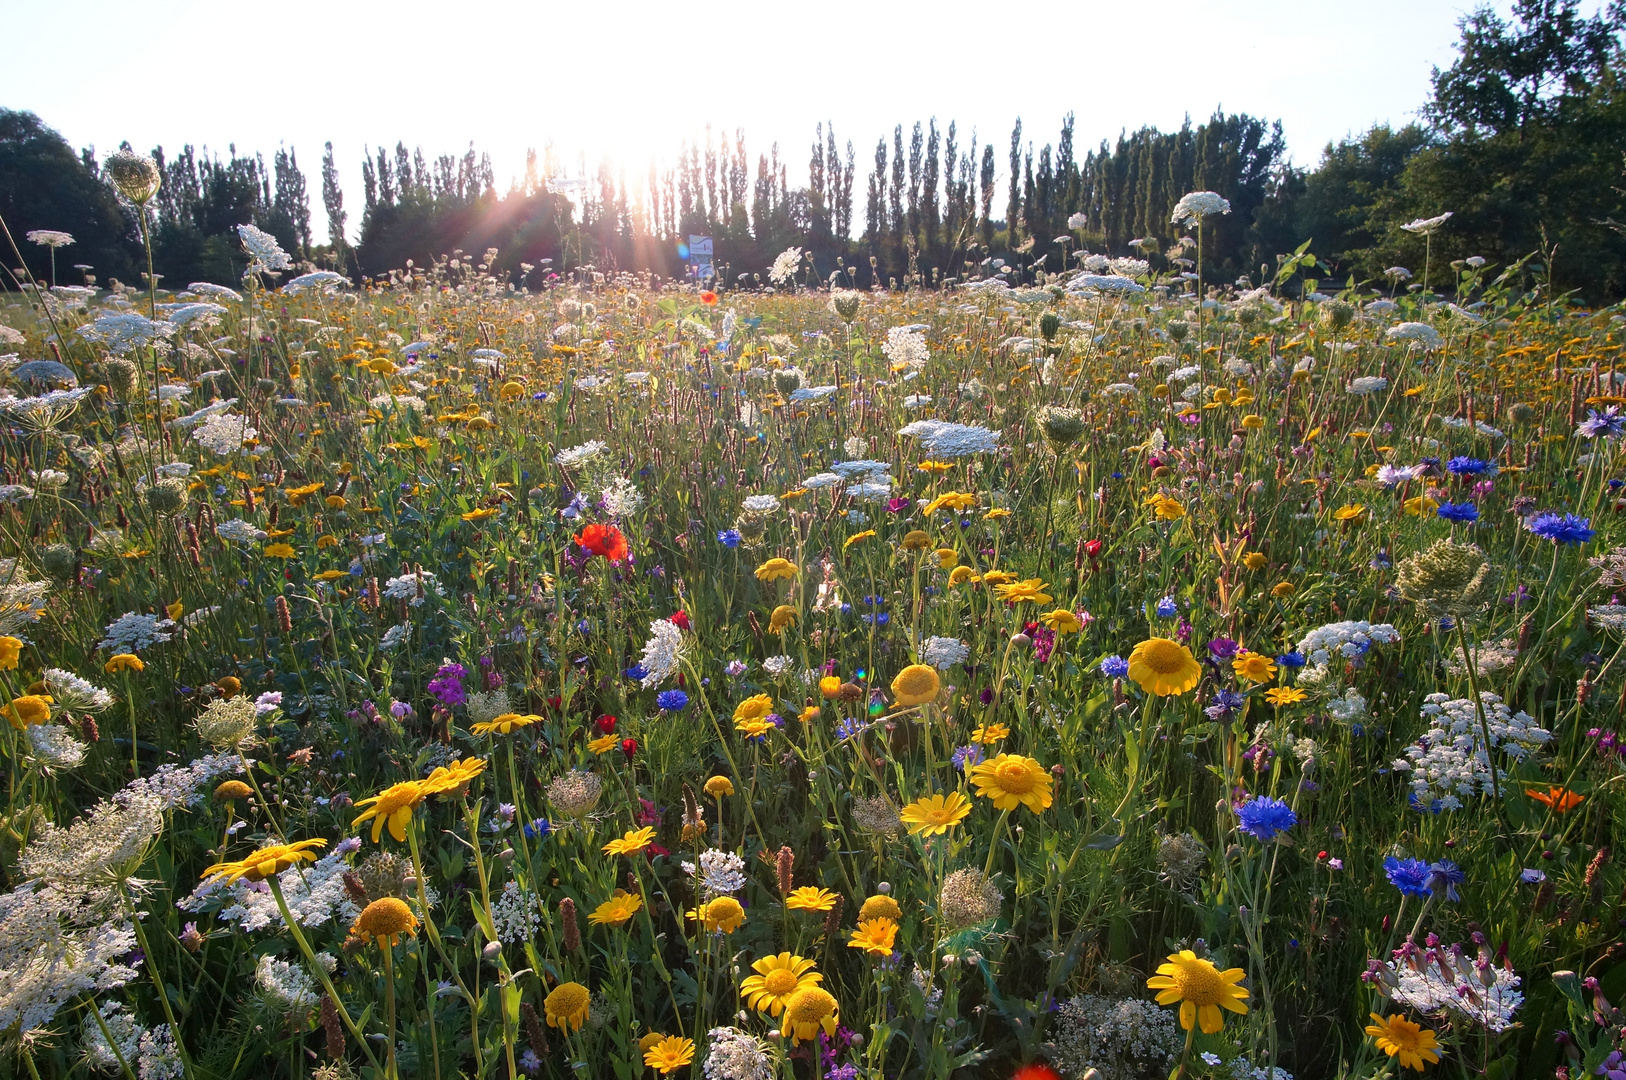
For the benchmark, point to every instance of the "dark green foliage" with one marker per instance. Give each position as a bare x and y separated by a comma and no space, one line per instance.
44,184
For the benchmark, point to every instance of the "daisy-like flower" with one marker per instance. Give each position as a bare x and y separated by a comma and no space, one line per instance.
453,778
776,570
384,920
951,500
1016,592
874,936
808,1010
776,979
631,843
1062,621
669,1053
1201,989
1255,667
505,724
783,617
990,733
616,910
722,915
934,815
811,898
1011,780
1412,1044
393,807
1164,667
271,859
566,1006
753,708
1285,695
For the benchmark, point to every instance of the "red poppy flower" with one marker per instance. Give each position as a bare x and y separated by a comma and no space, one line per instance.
1092,548
606,724
680,620
605,540
629,747
708,297
1036,1072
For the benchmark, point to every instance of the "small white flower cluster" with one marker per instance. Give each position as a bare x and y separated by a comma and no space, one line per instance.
123,1026
238,529
130,633
760,504
1350,639
734,1055
223,433
1415,333
776,666
719,873
906,347
577,456
663,652
54,948
785,266
52,747
942,439
285,985
516,915
1196,205
1445,979
122,332
1451,760
407,586
264,253
622,498
69,691
315,895
157,1056
1368,384
1119,1038
944,652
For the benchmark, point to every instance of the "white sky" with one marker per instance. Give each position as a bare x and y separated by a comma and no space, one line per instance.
634,78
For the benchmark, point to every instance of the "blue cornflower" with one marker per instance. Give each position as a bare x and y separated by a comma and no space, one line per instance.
1166,608
968,756
1264,817
1293,659
1225,703
848,729
1467,466
636,671
1458,512
1561,528
1115,667
1532,877
880,620
1410,876
672,700
1608,422
538,829
1445,876
729,538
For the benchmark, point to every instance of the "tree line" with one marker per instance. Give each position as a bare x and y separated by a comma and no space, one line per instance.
1523,140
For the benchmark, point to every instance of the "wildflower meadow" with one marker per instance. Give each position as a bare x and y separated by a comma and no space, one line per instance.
1099,673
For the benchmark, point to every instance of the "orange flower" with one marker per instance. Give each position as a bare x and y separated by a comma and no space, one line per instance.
1562,800
708,297
605,540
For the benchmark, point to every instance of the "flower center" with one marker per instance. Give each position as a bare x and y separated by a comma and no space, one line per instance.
779,982
1163,657
1199,984
809,1007
1015,778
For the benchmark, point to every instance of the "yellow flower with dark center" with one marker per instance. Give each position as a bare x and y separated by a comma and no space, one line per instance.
810,898
1285,695
631,843
481,515
753,708
27,710
951,500
777,978
272,859
916,685
880,907
10,649
452,778
807,1010
602,745
874,936
776,570
1411,1043
935,815
393,807
959,575
856,537
124,662
990,733
784,616
506,723
722,915
1201,989
669,1053
915,540
718,786
1164,667
946,558
566,1006
1062,621
1255,667
616,910
1011,780
279,551
384,920
1016,592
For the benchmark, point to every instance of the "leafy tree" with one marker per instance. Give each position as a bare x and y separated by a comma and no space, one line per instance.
45,184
